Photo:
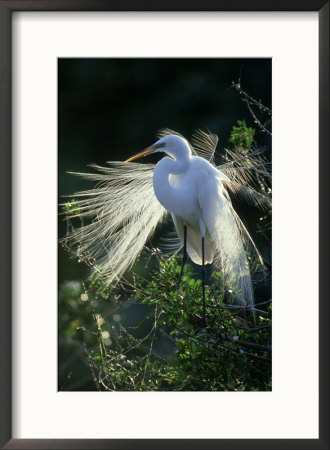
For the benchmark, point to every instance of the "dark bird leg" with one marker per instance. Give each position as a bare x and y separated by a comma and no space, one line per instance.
184,259
203,321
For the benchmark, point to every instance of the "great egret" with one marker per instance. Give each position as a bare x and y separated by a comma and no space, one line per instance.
132,199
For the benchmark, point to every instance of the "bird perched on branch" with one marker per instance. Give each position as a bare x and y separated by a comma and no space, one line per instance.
131,199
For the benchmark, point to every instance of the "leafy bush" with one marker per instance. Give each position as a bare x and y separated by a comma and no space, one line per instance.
242,136
233,353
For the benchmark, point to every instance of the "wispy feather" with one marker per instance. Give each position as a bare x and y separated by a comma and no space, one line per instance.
124,213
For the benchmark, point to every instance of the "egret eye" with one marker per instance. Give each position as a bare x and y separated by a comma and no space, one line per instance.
159,145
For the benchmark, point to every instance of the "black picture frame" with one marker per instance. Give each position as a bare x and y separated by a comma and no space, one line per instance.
7,7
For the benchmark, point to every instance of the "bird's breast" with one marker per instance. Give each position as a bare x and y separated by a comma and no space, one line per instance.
178,193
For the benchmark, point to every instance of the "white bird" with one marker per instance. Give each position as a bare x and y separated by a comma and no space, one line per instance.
131,199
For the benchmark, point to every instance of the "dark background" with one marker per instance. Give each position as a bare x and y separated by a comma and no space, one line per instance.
110,109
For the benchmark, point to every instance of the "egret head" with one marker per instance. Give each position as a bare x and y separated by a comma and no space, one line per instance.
172,144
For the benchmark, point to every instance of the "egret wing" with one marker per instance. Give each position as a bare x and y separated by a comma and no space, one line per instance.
229,253
194,241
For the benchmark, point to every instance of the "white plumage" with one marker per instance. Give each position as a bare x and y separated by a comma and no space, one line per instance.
131,199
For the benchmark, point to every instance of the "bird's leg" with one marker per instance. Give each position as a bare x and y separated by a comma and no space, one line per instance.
184,259
203,321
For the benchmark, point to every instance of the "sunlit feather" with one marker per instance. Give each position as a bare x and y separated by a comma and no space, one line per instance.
124,213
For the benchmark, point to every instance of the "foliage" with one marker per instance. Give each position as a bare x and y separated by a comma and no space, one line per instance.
72,208
242,136
233,353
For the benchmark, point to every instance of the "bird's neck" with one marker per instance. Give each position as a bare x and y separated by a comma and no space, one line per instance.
164,192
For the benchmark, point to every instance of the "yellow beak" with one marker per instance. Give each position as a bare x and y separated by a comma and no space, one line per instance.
145,152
